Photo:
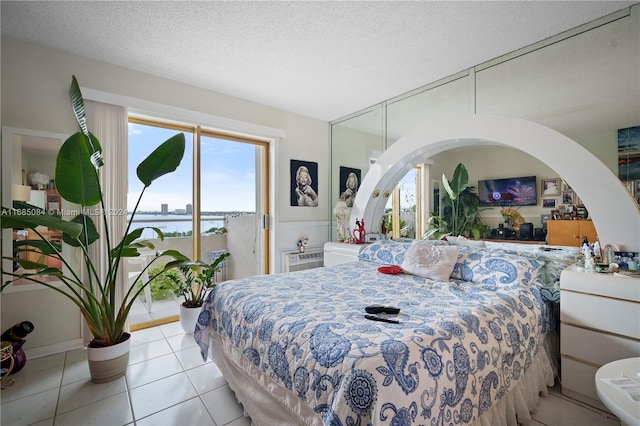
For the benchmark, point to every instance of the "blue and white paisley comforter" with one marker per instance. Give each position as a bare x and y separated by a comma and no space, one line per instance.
460,347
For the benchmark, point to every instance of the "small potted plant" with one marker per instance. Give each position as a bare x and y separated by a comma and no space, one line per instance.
193,283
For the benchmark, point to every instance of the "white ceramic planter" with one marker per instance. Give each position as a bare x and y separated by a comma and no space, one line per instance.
189,318
109,363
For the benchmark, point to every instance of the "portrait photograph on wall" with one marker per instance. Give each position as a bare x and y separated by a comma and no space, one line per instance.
304,183
349,184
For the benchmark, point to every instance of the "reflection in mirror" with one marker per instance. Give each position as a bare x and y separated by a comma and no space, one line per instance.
403,209
29,158
629,160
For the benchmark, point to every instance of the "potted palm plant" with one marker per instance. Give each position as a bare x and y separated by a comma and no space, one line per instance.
96,295
461,211
193,283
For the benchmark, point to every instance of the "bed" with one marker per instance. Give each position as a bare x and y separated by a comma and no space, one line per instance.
477,347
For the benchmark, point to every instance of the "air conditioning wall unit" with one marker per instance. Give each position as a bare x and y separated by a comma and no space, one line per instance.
296,261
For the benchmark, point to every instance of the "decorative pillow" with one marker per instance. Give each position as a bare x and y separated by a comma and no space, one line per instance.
386,252
495,267
390,252
430,261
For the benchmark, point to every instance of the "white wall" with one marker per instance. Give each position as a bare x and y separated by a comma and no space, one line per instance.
35,83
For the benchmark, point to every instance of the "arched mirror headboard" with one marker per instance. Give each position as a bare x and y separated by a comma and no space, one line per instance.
613,210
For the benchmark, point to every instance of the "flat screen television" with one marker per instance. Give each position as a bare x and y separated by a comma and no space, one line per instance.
519,191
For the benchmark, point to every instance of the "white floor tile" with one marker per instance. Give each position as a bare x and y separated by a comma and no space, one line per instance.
47,422
154,369
112,411
246,421
30,409
192,412
83,393
172,329
30,383
161,394
191,358
206,378
149,350
76,356
45,363
222,405
181,342
76,372
145,336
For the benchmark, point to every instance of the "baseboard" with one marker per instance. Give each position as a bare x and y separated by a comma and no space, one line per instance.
56,348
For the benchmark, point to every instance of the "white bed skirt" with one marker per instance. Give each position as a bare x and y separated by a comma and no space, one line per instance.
267,403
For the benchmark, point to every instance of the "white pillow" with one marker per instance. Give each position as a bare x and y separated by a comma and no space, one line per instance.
430,261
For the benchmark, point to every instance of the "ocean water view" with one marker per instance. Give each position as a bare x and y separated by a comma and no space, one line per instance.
174,223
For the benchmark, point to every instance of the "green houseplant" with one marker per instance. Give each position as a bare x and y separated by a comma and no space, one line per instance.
193,286
461,211
77,181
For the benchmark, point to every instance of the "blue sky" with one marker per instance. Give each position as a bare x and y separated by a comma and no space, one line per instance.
227,177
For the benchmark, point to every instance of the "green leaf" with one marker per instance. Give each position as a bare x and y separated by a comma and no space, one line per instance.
165,159
130,244
89,233
460,179
76,178
77,103
452,195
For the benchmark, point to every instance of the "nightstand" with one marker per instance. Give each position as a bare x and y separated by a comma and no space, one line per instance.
599,323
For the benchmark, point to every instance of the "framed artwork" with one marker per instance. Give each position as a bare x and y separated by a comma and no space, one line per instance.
304,183
556,214
349,184
568,197
566,186
550,187
549,203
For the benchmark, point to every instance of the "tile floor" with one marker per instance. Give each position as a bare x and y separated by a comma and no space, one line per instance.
168,384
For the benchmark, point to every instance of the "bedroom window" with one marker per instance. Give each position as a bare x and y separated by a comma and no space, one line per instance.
213,203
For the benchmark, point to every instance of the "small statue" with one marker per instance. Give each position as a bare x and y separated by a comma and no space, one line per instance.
341,211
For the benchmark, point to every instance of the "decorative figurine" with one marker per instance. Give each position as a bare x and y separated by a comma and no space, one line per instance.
341,211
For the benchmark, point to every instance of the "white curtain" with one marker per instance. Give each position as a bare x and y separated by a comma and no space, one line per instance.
109,123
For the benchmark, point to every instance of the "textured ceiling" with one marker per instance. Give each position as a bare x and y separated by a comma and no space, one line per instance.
318,59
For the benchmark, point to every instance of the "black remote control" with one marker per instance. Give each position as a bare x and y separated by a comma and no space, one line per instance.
377,318
381,309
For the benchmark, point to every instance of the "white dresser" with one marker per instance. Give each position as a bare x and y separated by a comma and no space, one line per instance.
336,253
599,323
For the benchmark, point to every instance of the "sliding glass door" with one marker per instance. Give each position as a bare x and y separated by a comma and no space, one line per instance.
216,202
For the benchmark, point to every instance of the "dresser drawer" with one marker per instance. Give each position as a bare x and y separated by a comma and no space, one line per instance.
579,381
600,313
597,348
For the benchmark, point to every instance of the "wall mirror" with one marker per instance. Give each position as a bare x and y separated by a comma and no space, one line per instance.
28,170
